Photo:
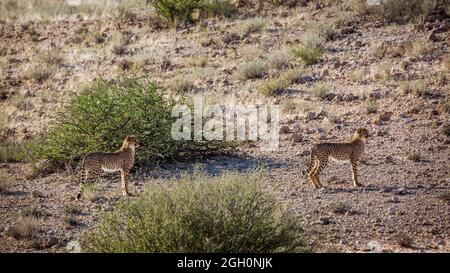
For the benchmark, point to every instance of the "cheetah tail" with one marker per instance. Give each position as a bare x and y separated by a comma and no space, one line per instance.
81,180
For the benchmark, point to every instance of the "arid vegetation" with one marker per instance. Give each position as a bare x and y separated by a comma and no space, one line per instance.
76,78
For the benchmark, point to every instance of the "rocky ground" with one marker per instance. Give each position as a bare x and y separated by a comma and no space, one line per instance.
390,78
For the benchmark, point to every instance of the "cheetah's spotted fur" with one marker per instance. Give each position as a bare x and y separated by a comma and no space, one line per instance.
352,150
122,160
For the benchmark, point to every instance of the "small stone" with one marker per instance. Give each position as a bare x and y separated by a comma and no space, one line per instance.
395,199
389,159
391,210
50,241
296,126
386,116
400,191
326,221
305,152
343,241
37,194
297,137
284,129
348,30
435,231
374,247
310,116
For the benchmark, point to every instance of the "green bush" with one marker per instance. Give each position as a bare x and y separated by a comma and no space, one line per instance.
99,118
222,8
229,213
183,10
308,55
177,10
14,152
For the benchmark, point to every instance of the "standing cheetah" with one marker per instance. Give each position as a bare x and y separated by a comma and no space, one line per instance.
122,160
352,150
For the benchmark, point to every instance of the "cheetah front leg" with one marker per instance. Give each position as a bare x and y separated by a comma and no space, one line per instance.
314,175
311,169
355,173
125,175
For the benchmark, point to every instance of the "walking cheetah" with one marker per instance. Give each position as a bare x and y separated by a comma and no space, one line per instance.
122,160
352,150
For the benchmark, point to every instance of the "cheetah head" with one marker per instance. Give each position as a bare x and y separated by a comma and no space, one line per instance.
362,133
132,141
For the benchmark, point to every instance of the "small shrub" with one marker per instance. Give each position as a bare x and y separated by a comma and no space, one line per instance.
323,30
33,212
292,107
280,59
371,106
119,49
416,87
92,192
272,87
253,25
414,156
320,90
384,69
39,72
123,15
313,40
177,10
24,228
404,240
252,70
359,74
252,52
444,106
182,84
380,49
445,197
51,57
198,61
341,208
419,47
230,37
293,75
446,129
3,121
420,88
230,213
6,182
308,55
14,152
221,8
74,209
446,62
99,118
209,41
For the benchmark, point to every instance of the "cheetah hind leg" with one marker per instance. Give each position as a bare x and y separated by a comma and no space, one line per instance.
125,176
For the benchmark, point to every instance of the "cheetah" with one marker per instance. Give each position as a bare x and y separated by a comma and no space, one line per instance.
351,150
122,160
